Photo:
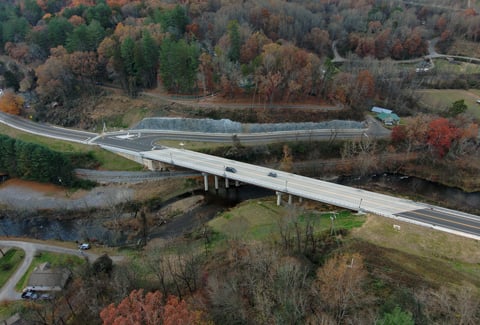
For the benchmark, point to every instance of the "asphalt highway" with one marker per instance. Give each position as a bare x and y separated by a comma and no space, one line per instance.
46,130
339,195
145,143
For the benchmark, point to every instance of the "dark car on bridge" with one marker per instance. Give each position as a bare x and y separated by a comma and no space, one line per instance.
230,169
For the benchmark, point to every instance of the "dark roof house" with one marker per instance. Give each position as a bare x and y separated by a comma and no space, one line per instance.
45,278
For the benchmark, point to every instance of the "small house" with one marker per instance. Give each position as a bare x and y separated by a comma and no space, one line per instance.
45,278
388,118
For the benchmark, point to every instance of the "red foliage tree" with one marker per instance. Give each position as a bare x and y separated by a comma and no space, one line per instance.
149,309
441,134
399,134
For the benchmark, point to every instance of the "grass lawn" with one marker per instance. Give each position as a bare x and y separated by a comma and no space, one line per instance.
439,99
438,256
108,160
459,67
261,219
9,264
55,260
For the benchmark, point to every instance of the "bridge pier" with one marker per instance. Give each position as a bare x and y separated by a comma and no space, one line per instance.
289,199
216,182
237,183
279,198
227,185
205,181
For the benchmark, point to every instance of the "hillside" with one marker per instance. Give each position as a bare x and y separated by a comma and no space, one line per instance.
107,64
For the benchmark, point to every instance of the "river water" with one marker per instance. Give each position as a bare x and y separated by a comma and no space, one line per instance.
418,190
79,229
53,226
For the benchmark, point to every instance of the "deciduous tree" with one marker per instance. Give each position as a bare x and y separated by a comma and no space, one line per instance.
441,134
149,309
339,284
54,78
11,103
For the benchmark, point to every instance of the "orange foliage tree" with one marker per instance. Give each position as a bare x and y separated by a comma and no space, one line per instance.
11,103
149,309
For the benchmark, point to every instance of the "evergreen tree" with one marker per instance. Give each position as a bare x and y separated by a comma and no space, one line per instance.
95,35
396,317
173,21
58,30
78,39
234,35
8,157
101,13
14,29
32,11
179,65
127,54
150,58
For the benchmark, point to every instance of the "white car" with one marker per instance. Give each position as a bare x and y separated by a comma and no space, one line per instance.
84,246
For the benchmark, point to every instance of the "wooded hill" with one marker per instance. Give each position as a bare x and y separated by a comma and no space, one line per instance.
277,50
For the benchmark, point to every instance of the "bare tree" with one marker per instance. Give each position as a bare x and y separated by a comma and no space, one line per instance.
339,284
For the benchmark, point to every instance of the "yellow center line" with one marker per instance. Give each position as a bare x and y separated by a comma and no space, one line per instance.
443,219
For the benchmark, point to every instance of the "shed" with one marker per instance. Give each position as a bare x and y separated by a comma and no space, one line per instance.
377,109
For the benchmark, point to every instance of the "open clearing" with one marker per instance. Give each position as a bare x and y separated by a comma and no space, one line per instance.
440,99
434,255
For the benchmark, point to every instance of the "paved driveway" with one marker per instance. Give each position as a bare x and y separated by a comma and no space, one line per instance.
8,290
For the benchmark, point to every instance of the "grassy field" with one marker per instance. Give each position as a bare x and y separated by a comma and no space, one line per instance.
458,67
414,252
437,256
9,264
261,219
439,99
55,260
108,160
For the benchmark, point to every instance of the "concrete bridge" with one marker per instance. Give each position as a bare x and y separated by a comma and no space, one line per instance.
296,188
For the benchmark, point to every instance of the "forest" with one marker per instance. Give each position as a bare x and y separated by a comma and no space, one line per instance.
277,50
59,58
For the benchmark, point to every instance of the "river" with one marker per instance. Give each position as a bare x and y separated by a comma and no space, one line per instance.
92,227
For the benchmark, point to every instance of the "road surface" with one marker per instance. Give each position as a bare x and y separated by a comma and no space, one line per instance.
143,143
339,195
8,290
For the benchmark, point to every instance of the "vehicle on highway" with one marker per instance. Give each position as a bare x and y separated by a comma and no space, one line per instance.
478,101
230,169
272,174
84,246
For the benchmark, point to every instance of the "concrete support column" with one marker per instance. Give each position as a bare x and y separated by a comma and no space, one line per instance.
300,199
227,184
237,183
289,199
279,198
205,181
216,182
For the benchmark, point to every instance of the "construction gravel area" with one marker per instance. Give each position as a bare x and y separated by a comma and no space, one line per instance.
24,195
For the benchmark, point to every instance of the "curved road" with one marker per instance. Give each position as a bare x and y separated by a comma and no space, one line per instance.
8,290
